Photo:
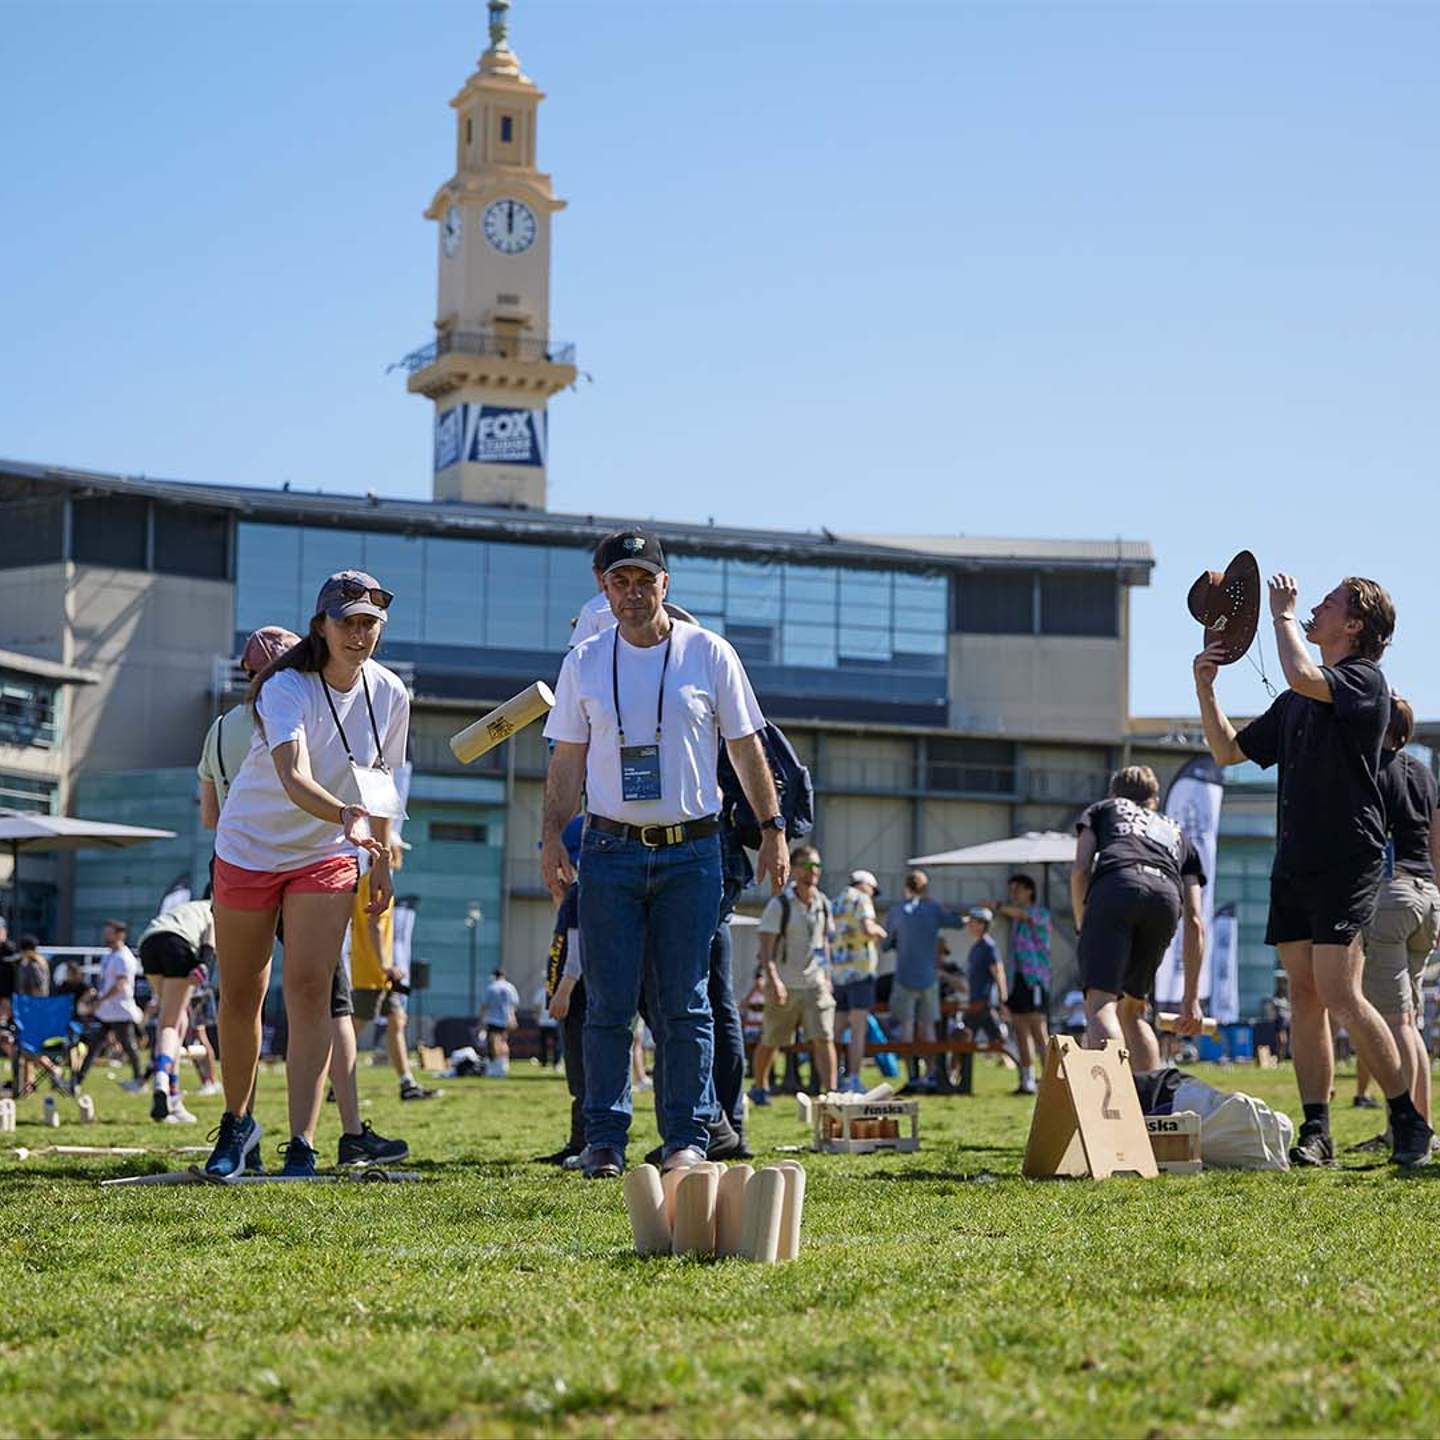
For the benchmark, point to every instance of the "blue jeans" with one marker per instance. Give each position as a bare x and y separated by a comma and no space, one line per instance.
648,913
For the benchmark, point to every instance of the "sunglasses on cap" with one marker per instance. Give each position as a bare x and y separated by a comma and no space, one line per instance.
354,590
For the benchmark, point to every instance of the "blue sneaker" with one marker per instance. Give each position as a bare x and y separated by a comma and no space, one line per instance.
853,1085
759,1096
236,1140
300,1157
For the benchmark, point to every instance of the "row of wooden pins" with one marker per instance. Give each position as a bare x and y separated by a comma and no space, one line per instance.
713,1210
862,1129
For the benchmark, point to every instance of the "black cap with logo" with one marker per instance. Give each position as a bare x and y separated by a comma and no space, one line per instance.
630,547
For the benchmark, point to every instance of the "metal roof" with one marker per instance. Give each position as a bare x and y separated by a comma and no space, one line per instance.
46,669
921,552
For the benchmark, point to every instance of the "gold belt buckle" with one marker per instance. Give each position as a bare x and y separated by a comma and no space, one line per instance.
645,836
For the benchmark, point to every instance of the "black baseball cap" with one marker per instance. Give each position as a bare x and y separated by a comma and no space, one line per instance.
630,547
352,592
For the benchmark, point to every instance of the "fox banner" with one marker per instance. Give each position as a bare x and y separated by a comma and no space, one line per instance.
1193,802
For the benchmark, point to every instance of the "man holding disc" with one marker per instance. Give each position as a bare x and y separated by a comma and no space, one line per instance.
1325,735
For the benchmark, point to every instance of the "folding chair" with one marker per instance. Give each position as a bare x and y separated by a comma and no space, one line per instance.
45,1032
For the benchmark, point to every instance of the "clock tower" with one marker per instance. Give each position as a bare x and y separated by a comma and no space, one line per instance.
492,366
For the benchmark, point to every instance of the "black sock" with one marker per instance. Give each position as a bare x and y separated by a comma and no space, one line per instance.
1317,1117
1402,1107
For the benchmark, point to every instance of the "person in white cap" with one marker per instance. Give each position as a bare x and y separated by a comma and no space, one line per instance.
856,960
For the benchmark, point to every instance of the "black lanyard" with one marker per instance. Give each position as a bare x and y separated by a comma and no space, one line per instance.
615,685
374,729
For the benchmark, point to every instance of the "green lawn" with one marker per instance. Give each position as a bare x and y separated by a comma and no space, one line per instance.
938,1293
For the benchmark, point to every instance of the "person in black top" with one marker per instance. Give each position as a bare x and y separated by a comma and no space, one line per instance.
1399,940
1134,872
1325,733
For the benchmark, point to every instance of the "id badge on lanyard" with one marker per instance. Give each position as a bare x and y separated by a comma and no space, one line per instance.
372,786
639,764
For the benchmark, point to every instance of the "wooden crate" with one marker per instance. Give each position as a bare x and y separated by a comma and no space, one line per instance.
1175,1139
862,1127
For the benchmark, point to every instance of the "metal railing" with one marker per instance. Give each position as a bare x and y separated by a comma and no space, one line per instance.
491,343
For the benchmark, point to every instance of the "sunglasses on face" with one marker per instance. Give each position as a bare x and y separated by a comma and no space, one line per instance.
354,590
809,865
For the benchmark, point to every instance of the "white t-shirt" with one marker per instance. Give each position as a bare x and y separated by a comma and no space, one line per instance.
191,921
501,997
227,742
261,828
119,965
595,617
707,696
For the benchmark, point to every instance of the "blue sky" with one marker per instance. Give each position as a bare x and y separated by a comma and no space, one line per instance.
1160,270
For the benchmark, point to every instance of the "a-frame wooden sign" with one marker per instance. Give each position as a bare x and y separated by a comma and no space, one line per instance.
1087,1119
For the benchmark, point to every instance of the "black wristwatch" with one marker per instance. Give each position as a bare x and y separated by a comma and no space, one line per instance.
775,822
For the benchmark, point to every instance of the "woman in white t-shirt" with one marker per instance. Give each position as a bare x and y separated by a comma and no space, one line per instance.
315,787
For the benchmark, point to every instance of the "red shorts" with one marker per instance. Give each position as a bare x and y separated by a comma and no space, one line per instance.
239,889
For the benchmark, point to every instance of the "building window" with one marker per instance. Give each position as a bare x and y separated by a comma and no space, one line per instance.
469,129
507,129
27,712
992,602
29,793
32,532
191,542
976,767
1076,603
459,834
110,530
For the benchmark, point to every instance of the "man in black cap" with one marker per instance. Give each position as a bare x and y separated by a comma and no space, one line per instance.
1325,733
639,712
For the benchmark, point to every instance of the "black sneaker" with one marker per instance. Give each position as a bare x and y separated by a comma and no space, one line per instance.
1365,1102
725,1142
368,1148
1312,1147
159,1103
1412,1141
559,1157
300,1157
411,1090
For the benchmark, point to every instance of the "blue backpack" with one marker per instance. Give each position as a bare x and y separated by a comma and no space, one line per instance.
792,783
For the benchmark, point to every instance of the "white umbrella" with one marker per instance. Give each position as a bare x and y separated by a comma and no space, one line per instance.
1035,847
22,830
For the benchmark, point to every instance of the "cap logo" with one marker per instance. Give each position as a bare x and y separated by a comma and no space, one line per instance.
634,542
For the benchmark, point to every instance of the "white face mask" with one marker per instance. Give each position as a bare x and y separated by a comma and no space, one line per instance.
375,789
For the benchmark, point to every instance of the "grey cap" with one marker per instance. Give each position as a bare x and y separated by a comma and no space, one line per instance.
352,592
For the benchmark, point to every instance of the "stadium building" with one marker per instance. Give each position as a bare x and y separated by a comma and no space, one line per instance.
944,690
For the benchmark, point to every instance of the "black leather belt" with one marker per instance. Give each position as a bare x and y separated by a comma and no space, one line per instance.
656,836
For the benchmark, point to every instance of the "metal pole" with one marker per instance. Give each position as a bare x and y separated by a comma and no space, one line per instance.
473,928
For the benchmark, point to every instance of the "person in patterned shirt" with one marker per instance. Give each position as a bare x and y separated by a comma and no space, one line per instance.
855,961
1029,1005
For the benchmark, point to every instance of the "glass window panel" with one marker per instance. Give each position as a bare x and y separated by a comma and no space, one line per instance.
191,542
812,645
752,592
454,585
1079,604
698,583
754,644
267,578
920,642
31,532
109,530
323,553
857,643
398,563
572,583
810,582
865,601
515,588
995,603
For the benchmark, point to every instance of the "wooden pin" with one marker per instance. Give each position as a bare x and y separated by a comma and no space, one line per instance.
645,1200
730,1209
792,1211
694,1229
764,1207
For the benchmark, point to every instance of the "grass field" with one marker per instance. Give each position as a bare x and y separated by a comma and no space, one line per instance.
938,1293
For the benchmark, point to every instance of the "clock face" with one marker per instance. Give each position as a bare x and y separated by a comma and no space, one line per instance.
509,226
450,230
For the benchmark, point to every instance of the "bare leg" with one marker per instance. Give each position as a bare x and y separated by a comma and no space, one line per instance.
1362,1078
1337,981
1311,1046
314,927
395,1045
1102,1022
760,1065
342,1073
243,942
825,1062
1024,1041
1422,1068
1140,1038
174,1008
859,1024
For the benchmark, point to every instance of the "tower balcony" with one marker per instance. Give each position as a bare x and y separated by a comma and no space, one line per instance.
526,365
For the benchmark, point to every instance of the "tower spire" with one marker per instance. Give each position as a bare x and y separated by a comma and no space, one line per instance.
500,59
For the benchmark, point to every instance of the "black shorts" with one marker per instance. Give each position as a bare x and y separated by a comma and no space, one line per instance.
1326,907
983,1019
1130,919
168,955
1028,998
341,1001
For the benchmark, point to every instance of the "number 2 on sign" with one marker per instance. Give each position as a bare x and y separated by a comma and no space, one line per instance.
1099,1072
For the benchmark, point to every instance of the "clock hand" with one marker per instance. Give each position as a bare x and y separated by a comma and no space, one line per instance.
510,218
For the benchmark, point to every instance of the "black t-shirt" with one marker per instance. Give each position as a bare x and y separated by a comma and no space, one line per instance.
1128,834
8,955
1411,797
1328,810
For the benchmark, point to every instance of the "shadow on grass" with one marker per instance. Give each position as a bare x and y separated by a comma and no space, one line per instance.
957,1177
